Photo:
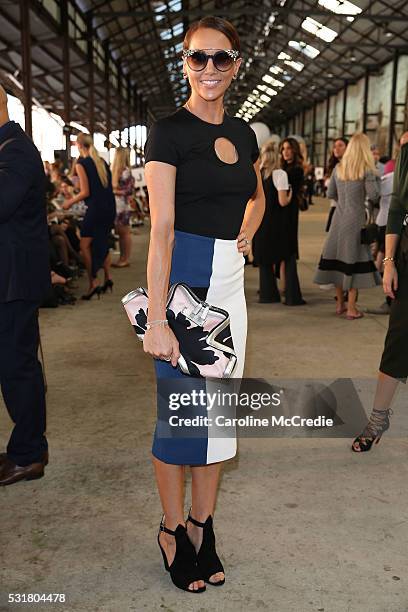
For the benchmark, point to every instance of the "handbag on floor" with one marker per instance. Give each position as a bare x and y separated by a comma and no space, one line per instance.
203,331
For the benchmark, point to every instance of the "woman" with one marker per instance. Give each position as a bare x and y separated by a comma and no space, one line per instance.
267,248
339,148
206,201
346,262
123,187
95,187
394,363
292,162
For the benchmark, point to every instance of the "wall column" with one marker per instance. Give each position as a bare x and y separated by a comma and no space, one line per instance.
66,76
107,97
129,107
120,115
26,65
344,114
365,103
91,77
313,147
326,130
393,108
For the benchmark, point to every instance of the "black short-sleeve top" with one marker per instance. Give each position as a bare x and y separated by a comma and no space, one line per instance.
211,195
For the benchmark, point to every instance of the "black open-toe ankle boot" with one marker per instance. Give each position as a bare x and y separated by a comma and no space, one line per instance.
184,569
378,423
207,559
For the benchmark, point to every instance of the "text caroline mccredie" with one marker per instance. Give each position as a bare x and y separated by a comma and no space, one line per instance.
250,421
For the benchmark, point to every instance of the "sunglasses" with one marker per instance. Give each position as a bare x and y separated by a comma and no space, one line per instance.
223,60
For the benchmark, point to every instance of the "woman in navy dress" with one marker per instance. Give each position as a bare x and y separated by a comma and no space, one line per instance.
206,203
96,190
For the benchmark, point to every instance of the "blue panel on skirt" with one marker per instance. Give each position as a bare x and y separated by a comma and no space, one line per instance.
173,445
192,263
192,259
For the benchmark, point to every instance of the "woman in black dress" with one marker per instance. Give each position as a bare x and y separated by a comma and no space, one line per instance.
394,361
267,248
96,190
292,163
206,203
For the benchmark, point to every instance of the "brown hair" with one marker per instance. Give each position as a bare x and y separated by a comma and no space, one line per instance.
297,155
214,23
333,160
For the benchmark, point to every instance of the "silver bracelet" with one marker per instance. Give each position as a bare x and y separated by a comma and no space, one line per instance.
151,324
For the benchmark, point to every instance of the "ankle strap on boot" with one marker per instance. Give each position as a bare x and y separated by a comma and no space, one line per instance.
194,521
166,529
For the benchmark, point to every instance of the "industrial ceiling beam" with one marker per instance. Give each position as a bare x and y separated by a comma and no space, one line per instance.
253,10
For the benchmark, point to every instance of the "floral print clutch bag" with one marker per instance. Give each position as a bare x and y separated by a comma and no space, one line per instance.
203,331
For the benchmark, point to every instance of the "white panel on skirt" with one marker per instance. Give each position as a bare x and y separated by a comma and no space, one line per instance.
226,290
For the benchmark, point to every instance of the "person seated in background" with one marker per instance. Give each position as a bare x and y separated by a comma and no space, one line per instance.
56,174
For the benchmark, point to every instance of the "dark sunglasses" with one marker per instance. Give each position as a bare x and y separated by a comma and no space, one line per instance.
223,60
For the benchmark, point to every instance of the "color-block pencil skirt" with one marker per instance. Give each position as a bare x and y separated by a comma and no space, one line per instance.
214,269
394,361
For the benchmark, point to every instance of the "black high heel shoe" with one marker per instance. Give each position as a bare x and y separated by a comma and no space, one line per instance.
378,423
108,284
95,291
183,569
207,559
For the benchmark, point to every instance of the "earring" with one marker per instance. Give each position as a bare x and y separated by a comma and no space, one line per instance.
184,75
234,77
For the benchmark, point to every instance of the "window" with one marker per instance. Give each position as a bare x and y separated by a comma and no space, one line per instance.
304,48
318,29
341,7
269,79
296,65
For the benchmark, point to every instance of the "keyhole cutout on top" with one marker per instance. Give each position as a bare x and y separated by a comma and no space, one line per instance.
225,150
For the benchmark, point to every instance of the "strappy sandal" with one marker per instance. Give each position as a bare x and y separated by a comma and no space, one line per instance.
207,559
377,424
183,569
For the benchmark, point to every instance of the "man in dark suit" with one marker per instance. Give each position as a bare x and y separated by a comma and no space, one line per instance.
24,280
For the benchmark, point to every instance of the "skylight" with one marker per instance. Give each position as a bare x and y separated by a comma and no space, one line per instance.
269,79
267,90
276,70
176,30
304,48
341,7
296,65
172,5
319,30
283,56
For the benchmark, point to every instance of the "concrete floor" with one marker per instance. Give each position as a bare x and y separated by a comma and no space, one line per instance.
302,524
